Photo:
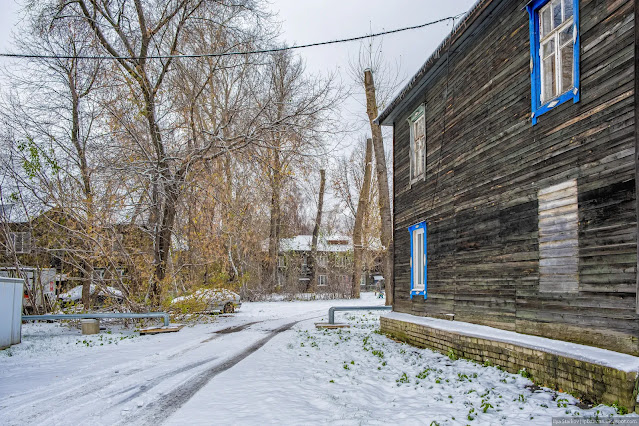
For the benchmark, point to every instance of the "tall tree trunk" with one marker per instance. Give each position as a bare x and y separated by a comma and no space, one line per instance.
229,204
362,208
312,261
274,234
85,261
382,181
162,246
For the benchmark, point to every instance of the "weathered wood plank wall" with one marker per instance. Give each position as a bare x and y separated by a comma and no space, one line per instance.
486,165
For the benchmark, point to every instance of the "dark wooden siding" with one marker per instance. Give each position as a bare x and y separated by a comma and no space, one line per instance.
486,163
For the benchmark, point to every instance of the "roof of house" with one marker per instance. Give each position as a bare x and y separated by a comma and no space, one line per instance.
20,213
461,32
329,243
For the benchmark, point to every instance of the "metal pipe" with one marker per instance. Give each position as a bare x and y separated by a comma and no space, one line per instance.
47,317
331,311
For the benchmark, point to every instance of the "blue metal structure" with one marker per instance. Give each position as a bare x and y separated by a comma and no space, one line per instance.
48,317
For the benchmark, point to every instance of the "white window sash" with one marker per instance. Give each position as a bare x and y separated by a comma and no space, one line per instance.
417,153
418,260
554,35
19,242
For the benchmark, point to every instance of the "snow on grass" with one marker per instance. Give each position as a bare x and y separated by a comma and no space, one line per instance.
426,384
40,340
356,375
301,376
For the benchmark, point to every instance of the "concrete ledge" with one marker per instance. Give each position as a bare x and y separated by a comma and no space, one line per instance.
597,382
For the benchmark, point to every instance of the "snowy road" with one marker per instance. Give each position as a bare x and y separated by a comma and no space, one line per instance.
142,380
267,364
159,410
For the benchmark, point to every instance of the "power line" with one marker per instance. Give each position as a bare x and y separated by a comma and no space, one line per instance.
235,53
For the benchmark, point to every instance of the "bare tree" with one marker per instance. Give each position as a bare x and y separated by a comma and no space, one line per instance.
61,131
214,97
362,209
296,110
312,261
369,62
382,181
201,156
130,33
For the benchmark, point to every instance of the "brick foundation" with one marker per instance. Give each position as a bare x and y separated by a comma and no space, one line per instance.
586,380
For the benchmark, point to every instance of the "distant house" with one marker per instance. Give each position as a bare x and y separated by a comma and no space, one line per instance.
46,239
515,173
334,263
24,238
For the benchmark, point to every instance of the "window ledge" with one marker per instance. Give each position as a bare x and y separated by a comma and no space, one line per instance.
572,94
417,179
418,293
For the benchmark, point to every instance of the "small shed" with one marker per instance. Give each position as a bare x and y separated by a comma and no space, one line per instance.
10,311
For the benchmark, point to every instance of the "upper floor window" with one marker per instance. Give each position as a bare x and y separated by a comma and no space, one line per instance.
554,50
417,122
19,242
321,280
118,243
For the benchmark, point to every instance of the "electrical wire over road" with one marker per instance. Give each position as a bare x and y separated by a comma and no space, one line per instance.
232,53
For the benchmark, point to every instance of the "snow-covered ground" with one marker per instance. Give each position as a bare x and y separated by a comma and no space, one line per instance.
266,364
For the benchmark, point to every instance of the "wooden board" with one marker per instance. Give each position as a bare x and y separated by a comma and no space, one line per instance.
165,329
330,326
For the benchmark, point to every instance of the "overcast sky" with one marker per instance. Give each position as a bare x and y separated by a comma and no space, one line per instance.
306,21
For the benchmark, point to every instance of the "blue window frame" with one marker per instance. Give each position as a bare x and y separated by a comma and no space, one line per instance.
554,54
418,260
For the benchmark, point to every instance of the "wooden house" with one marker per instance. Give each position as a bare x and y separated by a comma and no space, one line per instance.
334,264
48,239
515,173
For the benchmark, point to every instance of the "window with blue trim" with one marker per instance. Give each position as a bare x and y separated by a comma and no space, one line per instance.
417,122
418,260
554,51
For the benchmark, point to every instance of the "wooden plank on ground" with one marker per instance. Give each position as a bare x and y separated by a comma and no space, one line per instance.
330,326
164,329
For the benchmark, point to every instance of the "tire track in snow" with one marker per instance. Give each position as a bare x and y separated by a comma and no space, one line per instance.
82,393
157,380
98,382
159,411
229,330
216,334
89,384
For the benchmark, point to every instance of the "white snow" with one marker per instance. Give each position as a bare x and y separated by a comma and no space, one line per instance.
75,294
591,354
324,244
300,376
209,294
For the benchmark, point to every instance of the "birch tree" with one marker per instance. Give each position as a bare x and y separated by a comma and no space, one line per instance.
295,121
312,264
362,209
